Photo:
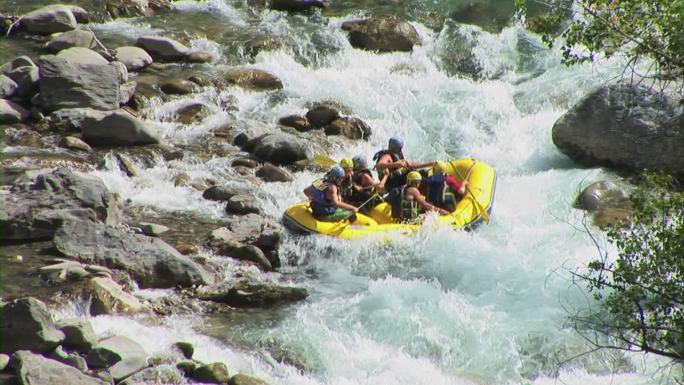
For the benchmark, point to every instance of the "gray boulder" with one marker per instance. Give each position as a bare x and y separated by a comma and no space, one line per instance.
49,19
75,38
26,324
11,112
243,204
74,143
256,230
82,55
150,260
79,334
384,34
321,116
34,369
24,73
36,209
7,87
73,85
120,354
271,173
223,193
350,127
162,49
278,148
116,128
134,58
623,126
600,195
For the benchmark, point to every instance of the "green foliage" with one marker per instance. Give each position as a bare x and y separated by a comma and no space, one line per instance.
641,290
652,29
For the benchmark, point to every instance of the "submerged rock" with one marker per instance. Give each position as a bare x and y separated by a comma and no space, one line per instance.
384,34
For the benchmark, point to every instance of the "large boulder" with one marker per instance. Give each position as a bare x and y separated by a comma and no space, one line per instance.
382,34
49,19
11,112
72,85
75,38
116,128
134,58
34,369
162,49
278,148
82,55
26,324
35,210
623,126
150,260
79,333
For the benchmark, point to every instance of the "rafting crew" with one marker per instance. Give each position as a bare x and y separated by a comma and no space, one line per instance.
408,203
391,162
443,189
358,186
325,200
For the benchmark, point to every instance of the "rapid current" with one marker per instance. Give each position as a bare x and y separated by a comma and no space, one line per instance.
440,307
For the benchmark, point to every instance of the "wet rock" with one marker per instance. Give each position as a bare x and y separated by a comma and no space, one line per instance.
321,116
134,58
215,373
74,143
81,15
223,193
271,173
177,87
79,333
49,19
81,55
120,354
150,260
126,165
626,127
76,38
243,204
73,85
187,367
7,87
116,128
602,194
242,379
256,230
152,229
160,5
278,148
384,34
36,209
26,324
186,348
35,369
63,270
193,113
24,73
71,359
253,254
350,127
298,122
198,57
296,5
11,112
126,93
22,137
155,375
256,294
110,298
187,249
126,8
162,49
253,79
261,43
611,216
182,180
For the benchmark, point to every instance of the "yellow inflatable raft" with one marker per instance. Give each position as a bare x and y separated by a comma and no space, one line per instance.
468,213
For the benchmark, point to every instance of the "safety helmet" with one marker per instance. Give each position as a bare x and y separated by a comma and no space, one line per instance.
413,176
346,163
440,166
396,142
359,162
336,172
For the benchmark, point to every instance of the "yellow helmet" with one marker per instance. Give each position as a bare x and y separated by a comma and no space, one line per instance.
413,176
440,166
346,163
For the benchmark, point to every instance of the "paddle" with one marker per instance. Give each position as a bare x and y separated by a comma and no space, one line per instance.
324,161
483,212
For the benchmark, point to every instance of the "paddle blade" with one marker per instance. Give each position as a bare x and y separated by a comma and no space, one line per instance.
323,160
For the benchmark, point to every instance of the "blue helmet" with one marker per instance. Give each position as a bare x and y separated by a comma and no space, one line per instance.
336,172
359,162
396,142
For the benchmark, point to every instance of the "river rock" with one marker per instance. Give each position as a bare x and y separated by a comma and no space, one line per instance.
600,195
244,162
243,204
116,128
71,359
72,85
49,19
198,57
624,126
278,148
110,298
215,373
383,33
74,143
4,361
150,260
193,113
11,112
253,254
34,210
177,87
120,354
186,348
69,39
162,49
224,192
256,230
26,324
251,78
7,87
134,58
162,374
271,173
298,122
79,333
34,369
350,127
321,116
24,73
126,8
81,55
255,294
261,43
151,229
296,5
243,379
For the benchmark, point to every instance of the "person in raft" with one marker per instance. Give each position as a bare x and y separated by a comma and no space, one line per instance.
324,194
442,189
347,184
392,162
407,203
364,188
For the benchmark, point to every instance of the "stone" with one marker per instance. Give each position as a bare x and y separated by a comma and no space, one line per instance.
152,229
69,39
110,298
126,8
24,73
11,112
34,369
134,58
382,33
224,192
242,379
187,348
253,79
8,87
298,122
243,204
271,173
162,48
74,143
71,359
49,19
4,360
254,254
79,334
177,87
278,148
321,116
261,43
602,194
187,367
120,354
198,57
350,127
26,324
257,294
116,128
81,55
214,373
192,113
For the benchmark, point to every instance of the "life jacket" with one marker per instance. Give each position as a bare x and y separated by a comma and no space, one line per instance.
347,190
320,204
398,176
363,195
403,209
439,193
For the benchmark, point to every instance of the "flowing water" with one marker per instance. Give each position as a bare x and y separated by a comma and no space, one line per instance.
439,307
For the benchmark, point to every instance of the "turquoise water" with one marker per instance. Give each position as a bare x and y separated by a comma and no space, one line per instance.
440,307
